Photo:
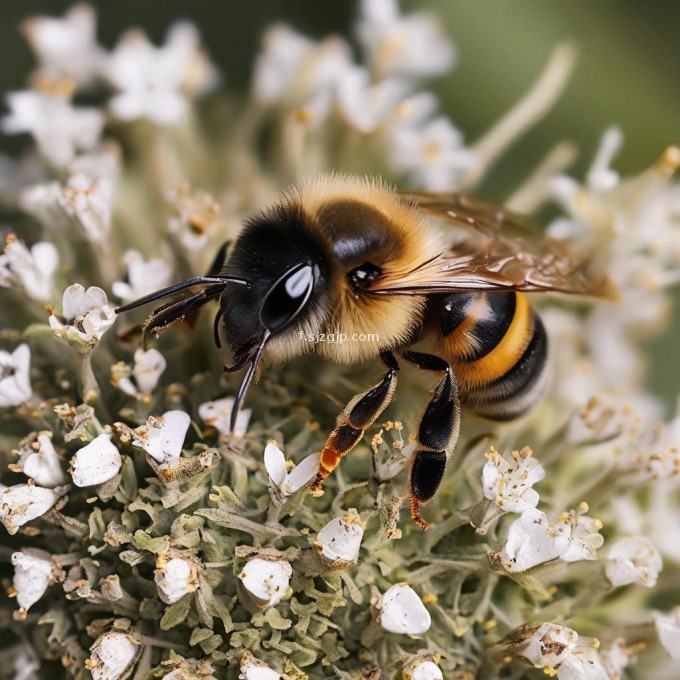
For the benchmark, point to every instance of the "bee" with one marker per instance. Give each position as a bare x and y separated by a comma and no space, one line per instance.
352,256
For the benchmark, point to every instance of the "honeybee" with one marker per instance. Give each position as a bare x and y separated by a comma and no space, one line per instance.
347,255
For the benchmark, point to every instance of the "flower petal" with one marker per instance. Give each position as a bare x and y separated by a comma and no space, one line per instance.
96,463
402,611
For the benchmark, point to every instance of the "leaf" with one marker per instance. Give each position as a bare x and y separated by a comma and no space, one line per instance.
200,634
142,541
327,602
276,621
176,613
127,490
211,643
97,524
131,557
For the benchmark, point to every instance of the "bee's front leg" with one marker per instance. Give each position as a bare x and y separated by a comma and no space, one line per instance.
437,433
356,417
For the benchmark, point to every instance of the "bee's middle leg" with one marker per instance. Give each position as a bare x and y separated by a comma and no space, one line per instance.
437,433
359,414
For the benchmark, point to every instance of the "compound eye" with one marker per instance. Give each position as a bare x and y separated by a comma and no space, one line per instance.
364,275
287,297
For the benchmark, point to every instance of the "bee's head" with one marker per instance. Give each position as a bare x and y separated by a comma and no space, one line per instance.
273,284
288,274
288,271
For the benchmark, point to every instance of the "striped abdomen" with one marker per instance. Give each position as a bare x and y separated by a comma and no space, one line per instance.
497,346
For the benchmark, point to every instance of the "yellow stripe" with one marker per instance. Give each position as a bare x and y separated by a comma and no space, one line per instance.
505,355
461,342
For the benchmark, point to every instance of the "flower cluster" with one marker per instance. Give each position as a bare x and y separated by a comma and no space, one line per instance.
317,84
144,537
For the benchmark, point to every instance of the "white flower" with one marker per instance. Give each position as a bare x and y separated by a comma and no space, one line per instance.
66,47
532,540
33,572
147,370
428,670
42,201
605,417
529,542
432,155
96,463
254,669
366,105
102,162
668,630
632,223
153,81
422,667
558,651
15,382
600,178
545,646
39,461
339,541
653,455
509,484
149,88
78,305
194,217
162,437
415,109
583,664
59,129
576,535
175,578
400,610
218,414
413,46
186,55
31,271
299,71
112,655
87,201
266,580
633,560
616,657
87,314
143,276
283,483
84,203
22,503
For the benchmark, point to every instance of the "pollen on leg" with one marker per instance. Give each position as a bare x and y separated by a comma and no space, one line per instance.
415,514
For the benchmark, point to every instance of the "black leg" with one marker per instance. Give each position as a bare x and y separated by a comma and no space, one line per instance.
437,433
175,311
359,414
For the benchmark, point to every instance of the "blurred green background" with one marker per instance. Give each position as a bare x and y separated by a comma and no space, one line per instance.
628,73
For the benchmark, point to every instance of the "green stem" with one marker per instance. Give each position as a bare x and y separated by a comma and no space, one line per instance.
89,386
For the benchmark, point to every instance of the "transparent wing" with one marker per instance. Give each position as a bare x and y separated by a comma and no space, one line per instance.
496,249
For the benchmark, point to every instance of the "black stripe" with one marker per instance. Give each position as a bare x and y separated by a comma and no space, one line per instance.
453,311
490,332
498,398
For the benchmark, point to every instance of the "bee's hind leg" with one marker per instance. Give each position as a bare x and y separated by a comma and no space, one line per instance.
359,414
437,433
